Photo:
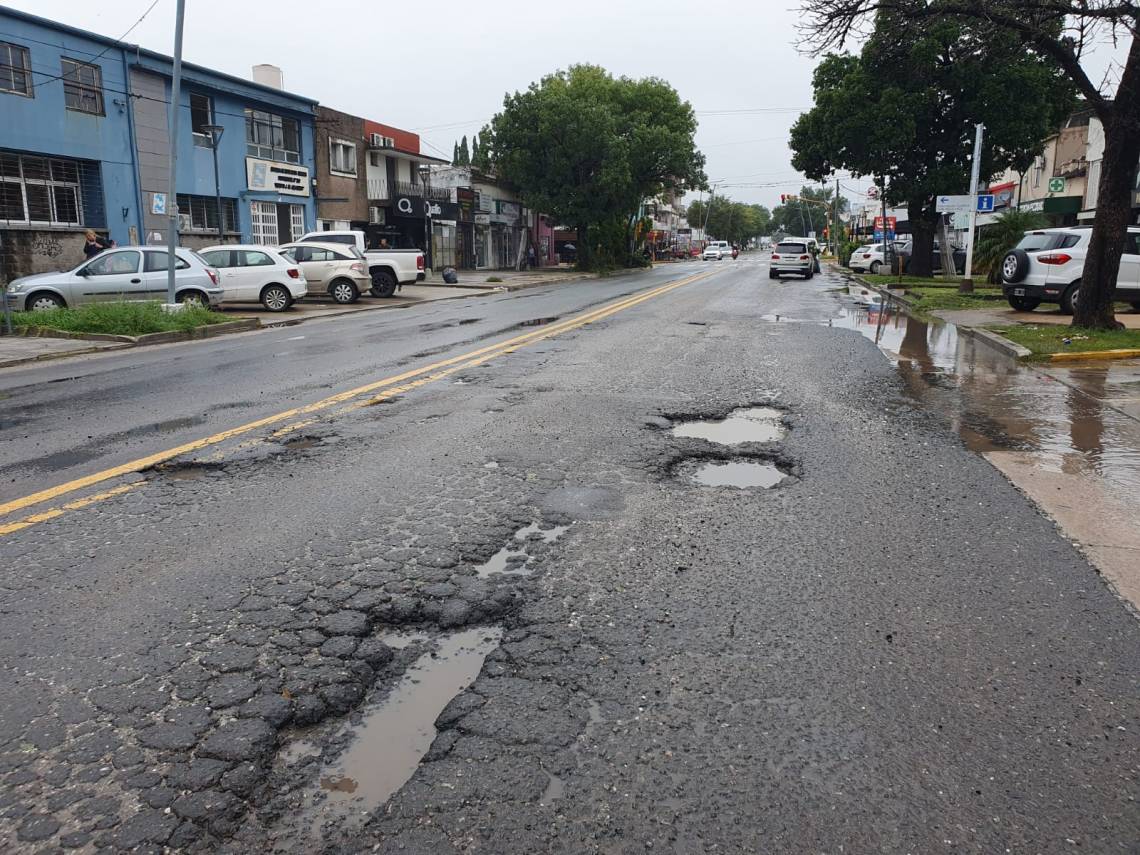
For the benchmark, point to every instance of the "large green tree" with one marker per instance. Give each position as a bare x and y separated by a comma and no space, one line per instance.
1057,31
588,148
808,211
724,219
904,111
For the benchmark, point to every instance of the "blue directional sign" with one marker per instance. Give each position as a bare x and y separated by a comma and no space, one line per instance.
985,203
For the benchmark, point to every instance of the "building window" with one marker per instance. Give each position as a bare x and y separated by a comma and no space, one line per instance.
342,157
272,137
15,70
82,87
200,213
41,191
201,116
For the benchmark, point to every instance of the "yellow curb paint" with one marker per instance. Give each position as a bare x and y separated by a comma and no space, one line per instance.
431,371
1080,356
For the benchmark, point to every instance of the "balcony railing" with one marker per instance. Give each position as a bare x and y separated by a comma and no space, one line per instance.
378,190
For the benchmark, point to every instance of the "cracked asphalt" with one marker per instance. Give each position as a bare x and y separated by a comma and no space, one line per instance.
893,651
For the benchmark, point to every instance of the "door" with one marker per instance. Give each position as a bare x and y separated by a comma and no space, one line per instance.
251,273
320,265
111,276
1128,280
264,223
223,260
285,225
155,265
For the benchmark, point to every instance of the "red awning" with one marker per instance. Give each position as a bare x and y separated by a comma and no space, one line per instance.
997,188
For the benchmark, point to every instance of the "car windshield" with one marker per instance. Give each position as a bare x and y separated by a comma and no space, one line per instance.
791,247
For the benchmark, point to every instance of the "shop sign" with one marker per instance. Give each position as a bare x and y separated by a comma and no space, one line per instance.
482,219
465,199
283,178
509,210
1036,206
417,207
1056,185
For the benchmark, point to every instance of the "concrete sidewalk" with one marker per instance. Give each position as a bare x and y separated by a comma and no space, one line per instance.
511,280
1002,314
321,306
16,349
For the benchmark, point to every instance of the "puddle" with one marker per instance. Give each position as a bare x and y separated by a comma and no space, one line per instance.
555,790
404,640
394,735
751,424
300,443
537,322
513,559
1074,419
739,473
506,562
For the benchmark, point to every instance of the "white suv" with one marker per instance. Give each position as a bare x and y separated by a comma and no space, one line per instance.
717,249
1046,267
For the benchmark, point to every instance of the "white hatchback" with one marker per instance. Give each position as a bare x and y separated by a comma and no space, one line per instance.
254,273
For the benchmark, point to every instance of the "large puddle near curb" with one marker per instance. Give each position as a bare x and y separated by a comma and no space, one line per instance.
742,474
395,735
749,424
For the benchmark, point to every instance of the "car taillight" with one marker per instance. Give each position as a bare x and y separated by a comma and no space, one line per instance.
359,268
419,262
294,273
1055,258
866,255
775,257
803,258
213,274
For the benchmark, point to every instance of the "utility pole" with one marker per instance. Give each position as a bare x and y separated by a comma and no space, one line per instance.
172,196
967,284
835,226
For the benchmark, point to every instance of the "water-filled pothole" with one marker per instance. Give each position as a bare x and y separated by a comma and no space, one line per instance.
748,424
513,559
537,322
395,735
739,473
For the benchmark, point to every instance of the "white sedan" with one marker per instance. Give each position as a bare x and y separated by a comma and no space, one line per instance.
867,259
255,273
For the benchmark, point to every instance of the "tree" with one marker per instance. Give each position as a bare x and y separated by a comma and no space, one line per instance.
464,158
1057,31
904,111
455,154
589,148
476,150
724,219
810,211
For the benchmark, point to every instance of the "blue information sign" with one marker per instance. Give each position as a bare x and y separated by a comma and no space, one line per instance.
985,203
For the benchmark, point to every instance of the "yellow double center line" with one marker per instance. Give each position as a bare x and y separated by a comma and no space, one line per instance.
361,396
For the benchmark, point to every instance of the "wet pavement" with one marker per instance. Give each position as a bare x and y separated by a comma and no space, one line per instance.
308,650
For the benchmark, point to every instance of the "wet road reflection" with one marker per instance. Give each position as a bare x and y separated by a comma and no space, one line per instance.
1076,420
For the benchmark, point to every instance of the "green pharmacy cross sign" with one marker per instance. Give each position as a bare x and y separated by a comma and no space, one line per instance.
1056,185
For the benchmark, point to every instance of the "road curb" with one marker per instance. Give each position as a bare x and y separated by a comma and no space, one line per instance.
995,341
1081,356
47,357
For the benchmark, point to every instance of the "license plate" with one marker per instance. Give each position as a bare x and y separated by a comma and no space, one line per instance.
1019,292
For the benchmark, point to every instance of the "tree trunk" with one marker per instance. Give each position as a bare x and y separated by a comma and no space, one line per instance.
949,271
923,222
584,247
1114,201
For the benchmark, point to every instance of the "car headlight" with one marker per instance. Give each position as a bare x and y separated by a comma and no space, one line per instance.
16,288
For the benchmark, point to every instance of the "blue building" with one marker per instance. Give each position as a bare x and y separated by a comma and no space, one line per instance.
84,143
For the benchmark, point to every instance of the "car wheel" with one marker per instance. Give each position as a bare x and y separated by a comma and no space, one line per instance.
1014,265
383,284
276,298
875,266
1024,304
1069,299
193,298
772,274
44,302
343,291
809,274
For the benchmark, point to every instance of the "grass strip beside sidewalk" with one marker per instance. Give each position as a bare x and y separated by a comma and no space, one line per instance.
132,319
1045,340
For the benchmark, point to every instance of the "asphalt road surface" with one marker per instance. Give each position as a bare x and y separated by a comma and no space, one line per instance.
449,580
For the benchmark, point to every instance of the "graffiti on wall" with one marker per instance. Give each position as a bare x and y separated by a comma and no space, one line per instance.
47,244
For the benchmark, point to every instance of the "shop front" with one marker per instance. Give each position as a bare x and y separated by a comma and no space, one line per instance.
1058,210
410,217
279,201
508,237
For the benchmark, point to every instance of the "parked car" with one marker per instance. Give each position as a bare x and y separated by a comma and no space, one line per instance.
716,249
253,273
389,269
1046,267
135,273
906,249
336,269
867,259
792,256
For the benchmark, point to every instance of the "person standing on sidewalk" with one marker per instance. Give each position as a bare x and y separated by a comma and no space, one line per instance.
530,262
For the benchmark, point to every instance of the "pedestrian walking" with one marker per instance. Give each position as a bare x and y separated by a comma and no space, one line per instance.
94,244
530,260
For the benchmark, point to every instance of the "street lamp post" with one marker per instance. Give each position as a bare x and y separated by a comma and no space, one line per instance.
215,132
425,177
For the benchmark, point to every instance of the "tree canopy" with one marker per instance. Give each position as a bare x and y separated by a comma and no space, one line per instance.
808,211
589,148
904,111
724,219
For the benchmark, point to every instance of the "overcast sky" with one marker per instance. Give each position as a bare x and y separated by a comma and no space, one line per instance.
441,69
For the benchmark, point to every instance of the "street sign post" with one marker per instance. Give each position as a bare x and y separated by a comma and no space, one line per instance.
955,204
985,203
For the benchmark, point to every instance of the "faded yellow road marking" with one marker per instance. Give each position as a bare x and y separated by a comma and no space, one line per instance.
426,374
52,513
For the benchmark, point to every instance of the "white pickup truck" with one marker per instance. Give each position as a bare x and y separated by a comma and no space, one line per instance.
390,269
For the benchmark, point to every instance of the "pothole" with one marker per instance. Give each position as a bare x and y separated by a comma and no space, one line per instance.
395,735
537,322
513,559
748,424
742,474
